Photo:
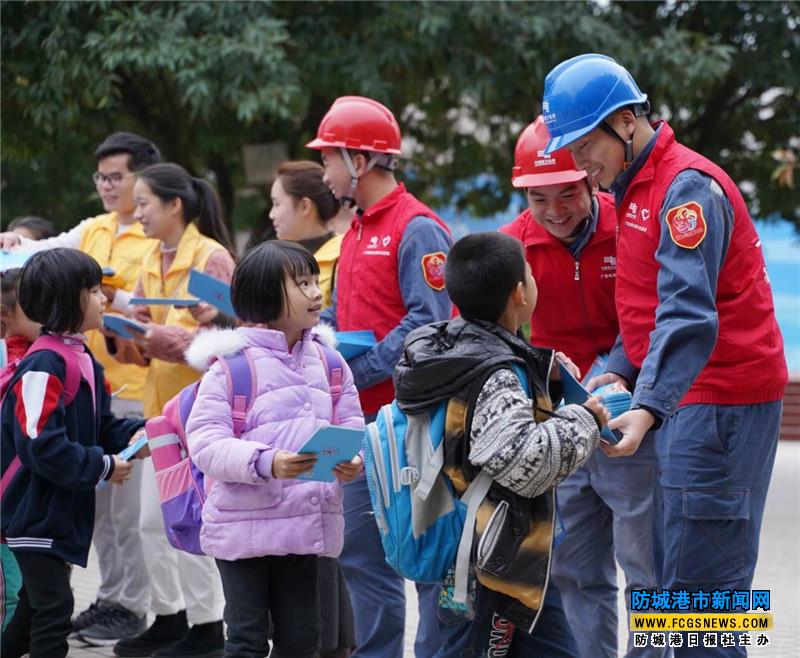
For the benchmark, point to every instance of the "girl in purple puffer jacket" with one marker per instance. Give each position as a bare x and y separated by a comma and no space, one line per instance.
265,527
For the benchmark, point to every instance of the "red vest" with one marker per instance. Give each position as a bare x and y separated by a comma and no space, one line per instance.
575,312
747,364
368,285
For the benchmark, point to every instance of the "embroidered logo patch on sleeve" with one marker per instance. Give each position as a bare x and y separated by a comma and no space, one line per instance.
687,225
433,269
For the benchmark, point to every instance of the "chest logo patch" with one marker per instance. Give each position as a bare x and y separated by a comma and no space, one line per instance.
687,225
433,269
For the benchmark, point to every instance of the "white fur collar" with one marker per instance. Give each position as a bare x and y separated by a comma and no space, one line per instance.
211,343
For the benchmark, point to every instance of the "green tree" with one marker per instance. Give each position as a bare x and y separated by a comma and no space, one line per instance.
204,78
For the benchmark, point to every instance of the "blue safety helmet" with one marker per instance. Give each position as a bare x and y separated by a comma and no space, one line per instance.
580,92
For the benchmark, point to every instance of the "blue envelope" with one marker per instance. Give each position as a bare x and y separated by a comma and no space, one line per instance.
576,393
355,343
332,444
164,301
122,326
10,260
211,290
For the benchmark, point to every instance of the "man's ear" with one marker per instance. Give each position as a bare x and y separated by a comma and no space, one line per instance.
360,162
624,121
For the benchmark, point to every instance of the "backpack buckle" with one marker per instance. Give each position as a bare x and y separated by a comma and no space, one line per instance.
408,475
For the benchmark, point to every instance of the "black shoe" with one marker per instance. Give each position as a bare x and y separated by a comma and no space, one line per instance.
93,614
202,641
166,630
118,623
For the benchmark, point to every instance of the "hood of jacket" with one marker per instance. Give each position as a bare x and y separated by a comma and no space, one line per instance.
215,343
442,358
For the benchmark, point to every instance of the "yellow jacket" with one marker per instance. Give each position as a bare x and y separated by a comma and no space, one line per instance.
124,254
327,256
164,378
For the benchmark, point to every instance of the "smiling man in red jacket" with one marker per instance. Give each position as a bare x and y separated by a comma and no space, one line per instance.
607,506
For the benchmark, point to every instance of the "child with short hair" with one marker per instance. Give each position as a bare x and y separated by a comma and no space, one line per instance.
18,333
265,527
524,447
55,452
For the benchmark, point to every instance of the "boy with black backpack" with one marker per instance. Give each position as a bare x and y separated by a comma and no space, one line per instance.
477,362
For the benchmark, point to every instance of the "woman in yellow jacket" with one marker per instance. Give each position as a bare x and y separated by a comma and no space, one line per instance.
302,210
183,214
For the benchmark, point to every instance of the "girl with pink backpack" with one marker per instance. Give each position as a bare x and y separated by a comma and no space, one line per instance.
265,527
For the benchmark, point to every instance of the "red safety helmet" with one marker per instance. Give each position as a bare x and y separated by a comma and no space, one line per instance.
359,123
532,168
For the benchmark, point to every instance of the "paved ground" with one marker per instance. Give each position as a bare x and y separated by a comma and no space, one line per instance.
778,568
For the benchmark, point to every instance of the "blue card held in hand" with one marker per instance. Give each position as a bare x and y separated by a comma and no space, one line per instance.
332,444
122,326
10,260
212,291
576,393
354,343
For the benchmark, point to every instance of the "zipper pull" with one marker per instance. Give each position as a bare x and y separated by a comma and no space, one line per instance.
577,270
360,227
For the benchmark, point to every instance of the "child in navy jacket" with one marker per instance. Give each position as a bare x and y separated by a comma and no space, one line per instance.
55,453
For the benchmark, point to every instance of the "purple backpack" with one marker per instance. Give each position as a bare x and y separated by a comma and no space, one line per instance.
182,487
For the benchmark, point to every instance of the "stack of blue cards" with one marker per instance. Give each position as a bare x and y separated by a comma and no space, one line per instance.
617,402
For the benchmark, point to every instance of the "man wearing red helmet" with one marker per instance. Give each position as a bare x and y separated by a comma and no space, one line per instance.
607,506
390,279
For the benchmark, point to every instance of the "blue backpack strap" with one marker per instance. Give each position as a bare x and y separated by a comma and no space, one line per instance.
334,371
519,371
241,384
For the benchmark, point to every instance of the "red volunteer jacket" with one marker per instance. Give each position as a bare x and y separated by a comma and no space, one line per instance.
747,364
368,292
575,312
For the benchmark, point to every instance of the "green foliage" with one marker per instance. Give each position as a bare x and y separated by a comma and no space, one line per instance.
204,78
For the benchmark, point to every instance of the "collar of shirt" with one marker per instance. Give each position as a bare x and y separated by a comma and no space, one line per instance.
621,182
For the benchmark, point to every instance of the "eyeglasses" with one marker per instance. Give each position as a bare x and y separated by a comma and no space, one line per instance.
112,179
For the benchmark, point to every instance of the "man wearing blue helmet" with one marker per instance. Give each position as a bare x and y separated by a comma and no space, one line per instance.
698,332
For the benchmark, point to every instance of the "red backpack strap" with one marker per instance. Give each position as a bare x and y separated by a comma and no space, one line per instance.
241,378
334,371
72,378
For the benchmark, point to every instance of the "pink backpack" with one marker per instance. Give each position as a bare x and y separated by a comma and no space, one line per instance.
72,381
182,487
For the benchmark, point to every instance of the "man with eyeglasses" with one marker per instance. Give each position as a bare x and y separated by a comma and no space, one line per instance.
115,240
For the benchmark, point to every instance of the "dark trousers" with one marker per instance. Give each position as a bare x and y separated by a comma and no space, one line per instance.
278,587
41,623
485,634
